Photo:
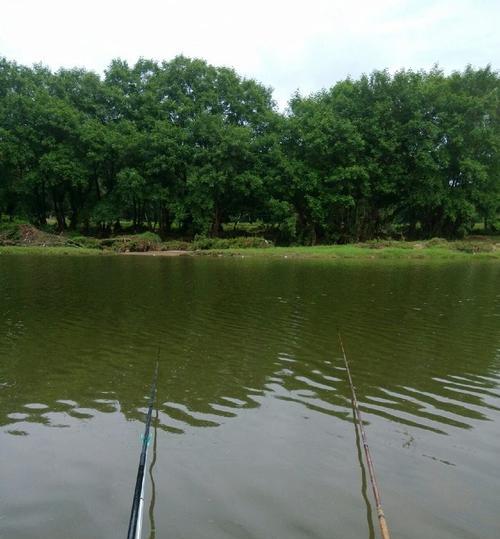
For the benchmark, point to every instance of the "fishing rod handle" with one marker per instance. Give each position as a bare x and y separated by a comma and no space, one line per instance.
384,529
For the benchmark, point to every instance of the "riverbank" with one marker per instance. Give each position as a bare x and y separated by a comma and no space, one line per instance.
465,249
396,250
26,239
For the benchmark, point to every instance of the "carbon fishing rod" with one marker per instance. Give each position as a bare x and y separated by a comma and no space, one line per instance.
135,523
384,529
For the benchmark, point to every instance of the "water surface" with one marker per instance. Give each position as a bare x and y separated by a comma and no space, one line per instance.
254,432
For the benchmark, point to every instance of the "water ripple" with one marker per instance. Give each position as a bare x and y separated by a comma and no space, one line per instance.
250,356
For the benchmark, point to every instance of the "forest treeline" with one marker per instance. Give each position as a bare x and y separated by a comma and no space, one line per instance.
183,147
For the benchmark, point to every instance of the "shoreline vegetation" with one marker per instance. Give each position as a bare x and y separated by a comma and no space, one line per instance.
26,239
185,149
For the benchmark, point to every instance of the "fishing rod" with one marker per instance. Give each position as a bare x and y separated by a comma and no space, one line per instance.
384,529
135,523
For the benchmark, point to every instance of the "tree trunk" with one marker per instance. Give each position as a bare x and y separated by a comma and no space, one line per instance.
96,184
59,212
314,235
74,217
216,222
42,214
165,221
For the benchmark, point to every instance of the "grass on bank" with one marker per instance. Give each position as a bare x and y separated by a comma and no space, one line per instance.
359,252
50,250
332,252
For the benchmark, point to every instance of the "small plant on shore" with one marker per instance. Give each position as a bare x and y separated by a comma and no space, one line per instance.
204,243
147,241
175,245
383,244
9,232
436,242
473,247
85,241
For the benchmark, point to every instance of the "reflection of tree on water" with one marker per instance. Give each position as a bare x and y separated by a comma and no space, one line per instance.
422,354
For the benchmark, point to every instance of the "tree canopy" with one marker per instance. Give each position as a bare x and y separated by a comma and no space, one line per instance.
183,147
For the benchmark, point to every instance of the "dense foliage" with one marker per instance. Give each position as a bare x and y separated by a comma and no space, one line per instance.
183,147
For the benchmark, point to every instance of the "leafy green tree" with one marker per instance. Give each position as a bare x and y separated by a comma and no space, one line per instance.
326,175
221,174
185,147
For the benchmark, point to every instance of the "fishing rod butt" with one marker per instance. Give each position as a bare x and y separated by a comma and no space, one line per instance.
384,528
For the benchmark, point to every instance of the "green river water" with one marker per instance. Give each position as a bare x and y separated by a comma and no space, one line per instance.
254,432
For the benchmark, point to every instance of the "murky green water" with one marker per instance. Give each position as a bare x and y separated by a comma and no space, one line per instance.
254,433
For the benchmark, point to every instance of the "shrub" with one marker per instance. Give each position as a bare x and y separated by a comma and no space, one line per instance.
383,244
9,232
436,242
26,234
113,242
175,245
473,247
85,241
147,241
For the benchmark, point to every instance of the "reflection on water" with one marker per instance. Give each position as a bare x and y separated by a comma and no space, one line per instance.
364,483
152,502
254,420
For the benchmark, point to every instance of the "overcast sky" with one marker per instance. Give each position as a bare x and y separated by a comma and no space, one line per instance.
289,45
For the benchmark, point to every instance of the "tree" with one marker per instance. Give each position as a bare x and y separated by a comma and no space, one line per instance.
185,147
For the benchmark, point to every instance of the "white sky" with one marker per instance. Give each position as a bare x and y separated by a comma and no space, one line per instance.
289,45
